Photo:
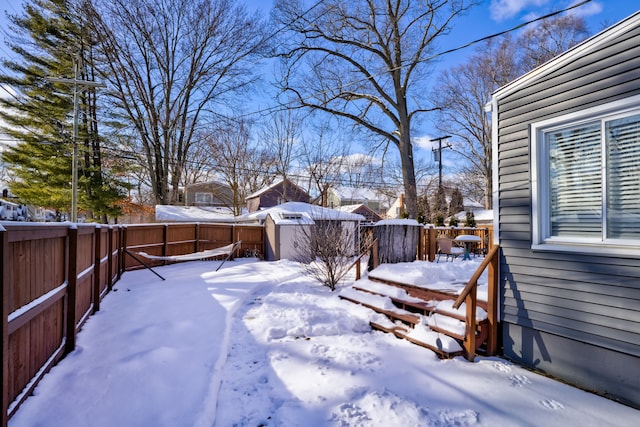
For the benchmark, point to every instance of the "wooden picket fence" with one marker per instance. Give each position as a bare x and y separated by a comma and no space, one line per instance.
54,277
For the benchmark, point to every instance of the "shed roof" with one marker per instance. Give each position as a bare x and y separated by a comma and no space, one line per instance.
312,211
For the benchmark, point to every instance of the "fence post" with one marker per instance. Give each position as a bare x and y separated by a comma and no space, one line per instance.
197,238
97,267
165,245
431,242
4,353
110,259
72,287
122,246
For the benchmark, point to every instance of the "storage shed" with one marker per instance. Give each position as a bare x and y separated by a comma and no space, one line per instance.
287,224
566,153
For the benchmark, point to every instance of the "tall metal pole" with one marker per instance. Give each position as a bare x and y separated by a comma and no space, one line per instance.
76,82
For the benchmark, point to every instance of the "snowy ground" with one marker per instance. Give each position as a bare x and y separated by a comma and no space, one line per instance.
259,344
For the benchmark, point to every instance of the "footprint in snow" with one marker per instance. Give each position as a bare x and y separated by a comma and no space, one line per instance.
501,366
551,404
519,380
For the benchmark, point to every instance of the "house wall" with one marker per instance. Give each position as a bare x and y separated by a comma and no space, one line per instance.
221,195
574,316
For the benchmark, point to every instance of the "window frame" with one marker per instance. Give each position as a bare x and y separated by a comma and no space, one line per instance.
540,166
201,195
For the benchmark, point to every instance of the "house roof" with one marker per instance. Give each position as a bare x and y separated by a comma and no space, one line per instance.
200,184
193,213
356,193
275,184
570,55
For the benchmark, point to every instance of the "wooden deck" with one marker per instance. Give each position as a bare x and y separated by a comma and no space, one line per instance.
435,318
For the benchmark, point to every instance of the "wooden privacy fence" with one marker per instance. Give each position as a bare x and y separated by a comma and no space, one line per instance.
428,248
55,275
53,278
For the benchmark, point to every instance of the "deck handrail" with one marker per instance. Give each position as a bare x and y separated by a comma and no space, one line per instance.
372,246
469,296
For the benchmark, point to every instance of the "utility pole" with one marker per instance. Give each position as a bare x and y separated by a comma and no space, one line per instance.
76,82
437,155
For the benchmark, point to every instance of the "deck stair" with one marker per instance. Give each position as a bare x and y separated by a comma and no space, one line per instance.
422,316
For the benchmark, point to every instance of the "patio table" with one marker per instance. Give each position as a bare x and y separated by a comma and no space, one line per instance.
467,239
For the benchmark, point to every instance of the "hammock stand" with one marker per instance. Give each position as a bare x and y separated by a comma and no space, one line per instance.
210,253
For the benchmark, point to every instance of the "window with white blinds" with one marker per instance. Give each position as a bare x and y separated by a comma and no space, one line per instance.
575,181
587,181
623,178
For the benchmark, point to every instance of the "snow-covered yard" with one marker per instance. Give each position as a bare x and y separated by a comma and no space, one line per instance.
259,344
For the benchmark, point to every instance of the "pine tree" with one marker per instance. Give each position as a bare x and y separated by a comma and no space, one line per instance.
39,116
439,212
456,204
424,210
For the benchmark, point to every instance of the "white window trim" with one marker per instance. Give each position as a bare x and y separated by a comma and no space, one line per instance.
539,172
199,195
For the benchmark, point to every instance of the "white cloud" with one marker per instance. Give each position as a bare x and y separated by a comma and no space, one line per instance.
506,9
589,9
427,142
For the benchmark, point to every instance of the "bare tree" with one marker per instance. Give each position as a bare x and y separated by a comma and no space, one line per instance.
167,63
322,157
549,39
239,163
463,92
364,61
327,249
281,137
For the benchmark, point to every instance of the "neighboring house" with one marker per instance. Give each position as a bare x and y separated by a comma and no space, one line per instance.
566,143
280,192
346,196
397,208
208,194
370,216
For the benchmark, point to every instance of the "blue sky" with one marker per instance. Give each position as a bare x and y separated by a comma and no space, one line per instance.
490,17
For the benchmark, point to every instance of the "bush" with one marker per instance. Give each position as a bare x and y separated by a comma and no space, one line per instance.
327,249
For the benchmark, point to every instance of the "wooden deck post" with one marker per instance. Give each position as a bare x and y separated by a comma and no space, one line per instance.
72,288
4,351
470,335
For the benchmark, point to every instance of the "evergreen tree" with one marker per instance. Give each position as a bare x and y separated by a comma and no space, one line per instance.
424,210
457,202
48,40
470,220
439,207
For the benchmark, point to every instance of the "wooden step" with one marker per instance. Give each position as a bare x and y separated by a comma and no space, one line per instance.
425,323
379,304
441,344
422,292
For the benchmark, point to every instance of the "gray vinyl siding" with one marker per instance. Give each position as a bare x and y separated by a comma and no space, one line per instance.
588,299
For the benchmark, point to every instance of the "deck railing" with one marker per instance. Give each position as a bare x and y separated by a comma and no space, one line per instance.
469,296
